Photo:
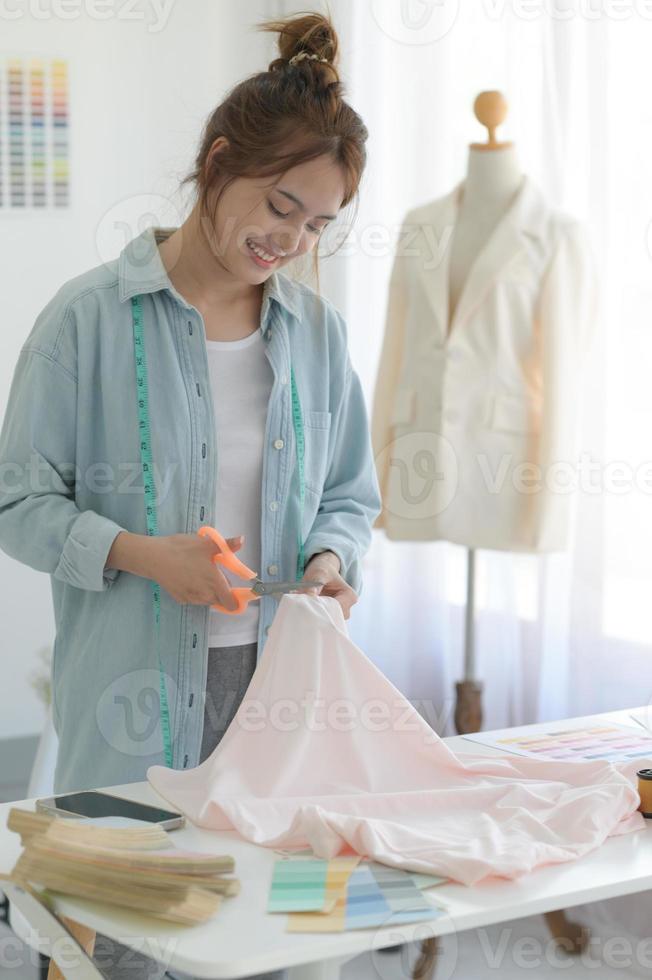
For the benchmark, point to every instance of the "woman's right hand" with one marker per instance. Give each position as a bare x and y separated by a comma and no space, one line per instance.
183,565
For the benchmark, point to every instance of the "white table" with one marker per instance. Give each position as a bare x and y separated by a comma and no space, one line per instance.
244,939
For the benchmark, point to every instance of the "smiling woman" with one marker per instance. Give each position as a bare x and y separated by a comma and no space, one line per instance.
231,385
257,421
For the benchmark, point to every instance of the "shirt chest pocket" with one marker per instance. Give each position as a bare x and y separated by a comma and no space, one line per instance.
316,435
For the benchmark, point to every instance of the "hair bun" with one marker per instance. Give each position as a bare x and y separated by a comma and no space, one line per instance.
304,38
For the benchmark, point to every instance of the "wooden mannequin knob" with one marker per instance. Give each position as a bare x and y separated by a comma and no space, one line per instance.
490,110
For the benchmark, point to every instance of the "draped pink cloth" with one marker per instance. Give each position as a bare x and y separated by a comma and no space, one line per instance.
325,752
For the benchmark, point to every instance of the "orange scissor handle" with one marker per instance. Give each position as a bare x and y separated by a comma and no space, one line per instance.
228,558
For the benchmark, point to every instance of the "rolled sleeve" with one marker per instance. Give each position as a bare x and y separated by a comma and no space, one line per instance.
85,552
40,522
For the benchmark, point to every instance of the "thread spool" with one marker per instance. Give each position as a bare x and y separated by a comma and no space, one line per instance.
645,791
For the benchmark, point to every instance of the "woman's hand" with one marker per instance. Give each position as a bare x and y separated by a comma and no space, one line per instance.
182,564
324,567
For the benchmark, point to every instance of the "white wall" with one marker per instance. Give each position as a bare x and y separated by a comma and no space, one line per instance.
140,91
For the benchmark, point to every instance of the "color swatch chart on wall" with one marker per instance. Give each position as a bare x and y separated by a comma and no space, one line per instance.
34,133
610,742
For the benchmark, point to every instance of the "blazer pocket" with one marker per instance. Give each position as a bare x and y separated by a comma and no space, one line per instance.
316,433
515,413
403,409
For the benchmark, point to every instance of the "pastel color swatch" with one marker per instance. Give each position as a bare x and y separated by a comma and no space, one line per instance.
367,905
305,885
34,133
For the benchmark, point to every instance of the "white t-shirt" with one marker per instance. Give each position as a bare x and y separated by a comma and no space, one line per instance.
241,381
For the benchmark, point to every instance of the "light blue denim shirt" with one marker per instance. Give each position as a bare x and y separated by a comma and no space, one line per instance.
71,479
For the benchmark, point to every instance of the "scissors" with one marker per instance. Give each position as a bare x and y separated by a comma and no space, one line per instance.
255,587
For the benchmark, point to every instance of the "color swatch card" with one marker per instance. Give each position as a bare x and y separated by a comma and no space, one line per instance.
309,885
373,898
610,742
418,878
398,889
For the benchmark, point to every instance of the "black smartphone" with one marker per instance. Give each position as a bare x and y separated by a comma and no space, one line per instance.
92,803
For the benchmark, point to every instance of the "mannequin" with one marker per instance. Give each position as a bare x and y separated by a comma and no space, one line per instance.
493,178
468,350
477,402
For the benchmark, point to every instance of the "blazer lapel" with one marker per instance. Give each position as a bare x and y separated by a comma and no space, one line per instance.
511,235
432,262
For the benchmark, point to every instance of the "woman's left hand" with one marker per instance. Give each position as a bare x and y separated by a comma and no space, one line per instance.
324,567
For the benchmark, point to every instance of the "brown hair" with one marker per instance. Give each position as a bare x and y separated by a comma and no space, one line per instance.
276,119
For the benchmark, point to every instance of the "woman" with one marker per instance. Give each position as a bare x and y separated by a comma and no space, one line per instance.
232,347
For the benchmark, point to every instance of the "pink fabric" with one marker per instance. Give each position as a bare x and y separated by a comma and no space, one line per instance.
325,751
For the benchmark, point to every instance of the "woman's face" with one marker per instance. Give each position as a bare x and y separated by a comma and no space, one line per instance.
261,225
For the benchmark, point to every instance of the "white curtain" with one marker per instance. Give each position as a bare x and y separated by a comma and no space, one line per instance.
565,634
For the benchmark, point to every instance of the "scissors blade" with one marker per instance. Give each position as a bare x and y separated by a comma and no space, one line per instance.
279,588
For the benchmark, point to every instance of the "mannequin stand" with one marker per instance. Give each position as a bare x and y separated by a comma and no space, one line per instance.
468,704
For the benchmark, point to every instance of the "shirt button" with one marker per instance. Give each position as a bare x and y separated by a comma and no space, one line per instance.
273,505
268,333
284,379
272,569
278,444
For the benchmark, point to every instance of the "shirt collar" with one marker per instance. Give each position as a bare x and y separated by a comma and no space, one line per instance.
141,270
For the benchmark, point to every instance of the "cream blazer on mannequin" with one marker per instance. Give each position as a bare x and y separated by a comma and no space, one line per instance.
474,428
